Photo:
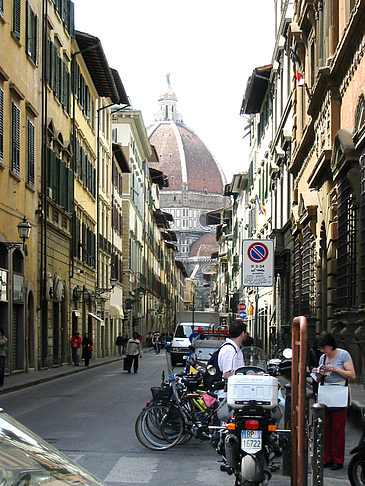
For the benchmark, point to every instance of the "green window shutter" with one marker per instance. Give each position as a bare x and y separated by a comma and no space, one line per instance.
76,237
68,95
86,170
93,115
94,183
28,33
93,239
30,155
54,68
63,185
82,167
1,7
36,40
77,158
70,191
52,181
1,125
84,250
58,177
15,139
16,18
72,20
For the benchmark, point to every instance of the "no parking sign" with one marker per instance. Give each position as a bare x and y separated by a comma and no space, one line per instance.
258,263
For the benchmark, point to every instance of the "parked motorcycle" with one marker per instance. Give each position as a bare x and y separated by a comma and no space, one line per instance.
250,438
356,467
281,365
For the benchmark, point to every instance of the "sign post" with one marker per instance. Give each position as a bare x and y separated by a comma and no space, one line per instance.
258,269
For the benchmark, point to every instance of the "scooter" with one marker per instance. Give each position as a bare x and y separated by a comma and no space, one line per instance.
250,437
356,467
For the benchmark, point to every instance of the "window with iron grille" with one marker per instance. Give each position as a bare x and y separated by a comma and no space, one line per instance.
297,277
346,246
308,273
362,240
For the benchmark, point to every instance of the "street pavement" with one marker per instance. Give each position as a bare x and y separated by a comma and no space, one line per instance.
205,471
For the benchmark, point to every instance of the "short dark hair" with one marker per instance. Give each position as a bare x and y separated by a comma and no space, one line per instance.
236,328
326,340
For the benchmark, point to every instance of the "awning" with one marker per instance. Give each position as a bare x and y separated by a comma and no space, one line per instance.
76,312
96,317
115,312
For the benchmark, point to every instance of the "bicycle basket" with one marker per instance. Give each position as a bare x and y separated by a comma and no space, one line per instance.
161,395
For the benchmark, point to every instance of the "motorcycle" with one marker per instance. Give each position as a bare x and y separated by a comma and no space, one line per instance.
356,467
281,366
249,440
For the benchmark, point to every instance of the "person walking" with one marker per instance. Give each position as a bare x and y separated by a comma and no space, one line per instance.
3,344
156,342
87,348
76,348
119,343
133,352
335,367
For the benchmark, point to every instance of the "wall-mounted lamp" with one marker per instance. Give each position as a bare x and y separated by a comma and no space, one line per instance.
24,228
113,282
86,295
77,293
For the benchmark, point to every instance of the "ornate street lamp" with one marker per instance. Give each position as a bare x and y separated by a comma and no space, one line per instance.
99,291
77,293
24,228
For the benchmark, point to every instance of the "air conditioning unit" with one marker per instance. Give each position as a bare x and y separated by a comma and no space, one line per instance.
49,192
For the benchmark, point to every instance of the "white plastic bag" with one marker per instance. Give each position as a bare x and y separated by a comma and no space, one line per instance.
334,396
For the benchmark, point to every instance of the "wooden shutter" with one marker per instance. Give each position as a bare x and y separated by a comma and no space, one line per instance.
94,182
29,29
76,237
15,135
1,125
63,185
84,249
52,173
77,158
70,191
1,7
36,40
58,177
30,155
16,17
72,20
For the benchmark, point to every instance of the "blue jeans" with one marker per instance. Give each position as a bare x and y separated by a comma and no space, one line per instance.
2,369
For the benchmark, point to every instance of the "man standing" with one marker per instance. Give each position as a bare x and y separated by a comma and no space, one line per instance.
230,356
76,348
3,342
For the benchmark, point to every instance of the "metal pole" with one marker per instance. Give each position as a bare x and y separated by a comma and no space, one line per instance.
318,418
256,317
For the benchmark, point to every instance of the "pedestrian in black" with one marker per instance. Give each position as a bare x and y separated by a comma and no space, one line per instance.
133,352
3,343
119,343
87,347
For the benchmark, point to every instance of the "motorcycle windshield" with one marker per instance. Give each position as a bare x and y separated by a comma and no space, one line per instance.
255,357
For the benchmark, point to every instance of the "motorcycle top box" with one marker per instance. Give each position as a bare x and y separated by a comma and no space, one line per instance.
241,389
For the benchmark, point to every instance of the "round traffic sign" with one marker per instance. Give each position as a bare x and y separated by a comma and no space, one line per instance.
241,306
257,252
242,315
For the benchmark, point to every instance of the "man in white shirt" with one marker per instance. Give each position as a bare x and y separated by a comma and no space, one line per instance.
230,356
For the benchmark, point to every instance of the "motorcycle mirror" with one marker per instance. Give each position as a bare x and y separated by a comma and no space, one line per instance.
288,353
211,370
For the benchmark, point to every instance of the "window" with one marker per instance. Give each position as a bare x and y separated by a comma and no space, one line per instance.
32,34
1,7
16,18
1,125
30,153
15,139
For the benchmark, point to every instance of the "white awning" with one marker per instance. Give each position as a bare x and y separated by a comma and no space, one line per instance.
116,312
96,317
76,312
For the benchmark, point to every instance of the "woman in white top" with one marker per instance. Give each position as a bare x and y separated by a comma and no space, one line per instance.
133,352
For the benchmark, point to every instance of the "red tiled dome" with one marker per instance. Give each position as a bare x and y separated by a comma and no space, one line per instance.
204,246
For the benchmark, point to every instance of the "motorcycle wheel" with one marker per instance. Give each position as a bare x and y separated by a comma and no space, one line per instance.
356,471
159,427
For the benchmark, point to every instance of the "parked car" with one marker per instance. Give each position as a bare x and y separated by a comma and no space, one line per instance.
28,460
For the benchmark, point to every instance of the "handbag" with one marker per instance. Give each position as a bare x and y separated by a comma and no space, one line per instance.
334,396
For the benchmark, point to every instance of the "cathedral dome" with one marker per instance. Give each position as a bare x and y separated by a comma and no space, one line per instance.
183,157
204,246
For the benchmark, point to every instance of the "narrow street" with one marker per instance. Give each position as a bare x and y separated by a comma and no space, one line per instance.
90,417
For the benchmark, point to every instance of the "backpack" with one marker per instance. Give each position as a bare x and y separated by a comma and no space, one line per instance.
208,379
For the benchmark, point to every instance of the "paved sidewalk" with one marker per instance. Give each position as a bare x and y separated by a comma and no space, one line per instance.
18,381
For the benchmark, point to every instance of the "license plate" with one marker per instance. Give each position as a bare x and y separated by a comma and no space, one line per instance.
251,441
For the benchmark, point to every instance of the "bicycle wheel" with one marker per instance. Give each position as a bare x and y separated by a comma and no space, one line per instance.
159,427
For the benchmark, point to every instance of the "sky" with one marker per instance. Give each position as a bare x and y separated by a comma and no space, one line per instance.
208,47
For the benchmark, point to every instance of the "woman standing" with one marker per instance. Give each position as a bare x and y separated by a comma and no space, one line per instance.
133,352
338,368
87,347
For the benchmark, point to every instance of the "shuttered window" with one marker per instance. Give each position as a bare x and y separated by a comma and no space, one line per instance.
76,237
62,181
15,139
30,153
70,191
16,17
1,7
52,174
32,34
1,125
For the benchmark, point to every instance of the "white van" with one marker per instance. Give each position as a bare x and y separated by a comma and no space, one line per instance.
181,342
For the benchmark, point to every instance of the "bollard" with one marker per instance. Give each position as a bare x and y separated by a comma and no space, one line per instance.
287,450
318,414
